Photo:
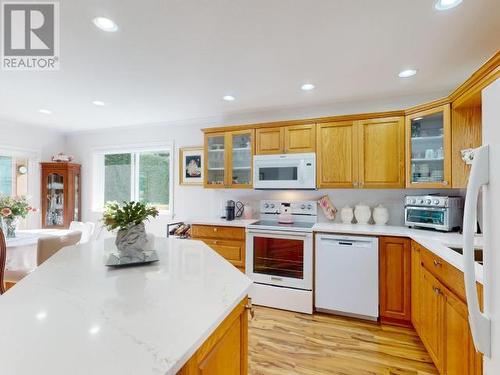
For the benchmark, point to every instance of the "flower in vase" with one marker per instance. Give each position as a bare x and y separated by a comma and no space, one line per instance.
6,211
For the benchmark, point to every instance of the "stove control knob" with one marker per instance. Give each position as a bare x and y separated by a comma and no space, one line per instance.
436,201
303,207
266,205
413,201
428,201
309,206
272,205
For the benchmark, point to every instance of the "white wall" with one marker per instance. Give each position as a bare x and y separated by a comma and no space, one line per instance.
38,144
196,202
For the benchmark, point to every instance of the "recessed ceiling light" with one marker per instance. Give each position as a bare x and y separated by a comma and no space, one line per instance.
446,4
307,87
228,98
98,103
105,24
407,73
45,111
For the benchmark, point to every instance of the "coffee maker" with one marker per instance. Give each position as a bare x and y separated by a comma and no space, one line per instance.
230,210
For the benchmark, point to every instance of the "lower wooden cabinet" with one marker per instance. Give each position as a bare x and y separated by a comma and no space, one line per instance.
440,314
227,241
225,352
395,280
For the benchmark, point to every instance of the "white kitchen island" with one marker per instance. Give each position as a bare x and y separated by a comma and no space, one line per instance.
73,315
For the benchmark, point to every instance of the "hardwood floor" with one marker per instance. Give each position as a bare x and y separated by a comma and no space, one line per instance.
285,343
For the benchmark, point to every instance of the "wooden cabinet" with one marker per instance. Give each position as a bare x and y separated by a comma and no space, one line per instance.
225,352
229,159
381,150
440,316
61,194
286,139
337,155
270,141
227,241
395,280
366,153
428,148
300,138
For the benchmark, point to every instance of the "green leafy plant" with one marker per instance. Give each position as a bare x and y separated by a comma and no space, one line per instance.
127,214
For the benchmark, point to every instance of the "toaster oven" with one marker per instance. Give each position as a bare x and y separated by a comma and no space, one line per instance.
435,212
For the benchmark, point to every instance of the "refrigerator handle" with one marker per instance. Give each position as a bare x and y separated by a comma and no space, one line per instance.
480,324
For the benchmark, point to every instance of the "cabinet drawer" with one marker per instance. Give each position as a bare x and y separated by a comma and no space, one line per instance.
233,251
217,232
450,276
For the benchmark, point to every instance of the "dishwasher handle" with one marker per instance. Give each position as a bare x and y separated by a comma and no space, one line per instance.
347,242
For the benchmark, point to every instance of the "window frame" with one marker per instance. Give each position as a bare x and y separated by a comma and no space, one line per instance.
98,176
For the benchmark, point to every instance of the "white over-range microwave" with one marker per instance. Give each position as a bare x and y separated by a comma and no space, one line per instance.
285,171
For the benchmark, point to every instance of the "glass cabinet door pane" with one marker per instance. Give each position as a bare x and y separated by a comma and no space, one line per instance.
216,160
76,215
427,148
55,200
242,159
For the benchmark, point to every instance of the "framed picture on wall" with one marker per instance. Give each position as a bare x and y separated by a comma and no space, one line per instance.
191,166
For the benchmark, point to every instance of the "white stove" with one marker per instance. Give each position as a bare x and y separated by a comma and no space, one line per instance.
280,255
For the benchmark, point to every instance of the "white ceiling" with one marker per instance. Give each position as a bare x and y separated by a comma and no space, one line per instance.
174,59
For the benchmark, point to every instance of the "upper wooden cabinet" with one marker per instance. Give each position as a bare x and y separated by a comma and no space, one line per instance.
286,139
365,153
428,148
381,150
337,155
269,141
229,159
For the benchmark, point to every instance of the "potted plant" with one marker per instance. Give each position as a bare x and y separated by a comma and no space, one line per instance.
11,210
128,218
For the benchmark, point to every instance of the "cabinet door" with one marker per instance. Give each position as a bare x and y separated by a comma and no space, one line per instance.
337,155
395,280
432,317
415,286
240,158
381,149
461,357
215,157
233,251
55,198
428,148
300,138
270,141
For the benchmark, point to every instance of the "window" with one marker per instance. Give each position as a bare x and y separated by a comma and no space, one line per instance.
13,175
6,180
139,174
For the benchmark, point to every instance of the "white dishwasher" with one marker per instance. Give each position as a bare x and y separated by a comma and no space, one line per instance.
347,275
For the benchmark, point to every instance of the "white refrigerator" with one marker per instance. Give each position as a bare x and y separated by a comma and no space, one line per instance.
485,177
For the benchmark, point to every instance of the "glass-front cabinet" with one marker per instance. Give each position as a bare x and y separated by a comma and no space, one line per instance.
428,148
60,194
229,157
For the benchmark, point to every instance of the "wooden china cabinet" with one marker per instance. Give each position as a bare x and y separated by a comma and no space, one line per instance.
61,194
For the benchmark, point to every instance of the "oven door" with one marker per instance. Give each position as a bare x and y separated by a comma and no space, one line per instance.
281,259
428,217
287,171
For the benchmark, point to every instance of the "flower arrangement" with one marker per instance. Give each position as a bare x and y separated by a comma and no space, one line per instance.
129,219
126,215
11,209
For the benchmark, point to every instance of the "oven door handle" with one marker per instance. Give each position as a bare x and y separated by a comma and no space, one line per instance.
279,234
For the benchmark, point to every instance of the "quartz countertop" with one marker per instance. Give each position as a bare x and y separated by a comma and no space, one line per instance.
73,315
437,242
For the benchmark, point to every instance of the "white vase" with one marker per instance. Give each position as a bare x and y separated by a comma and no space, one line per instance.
346,215
362,213
131,241
380,215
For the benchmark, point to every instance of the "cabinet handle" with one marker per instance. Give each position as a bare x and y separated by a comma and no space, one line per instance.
354,184
215,229
250,308
216,242
437,290
437,263
445,182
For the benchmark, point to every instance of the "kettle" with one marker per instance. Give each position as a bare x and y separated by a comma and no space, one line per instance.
285,216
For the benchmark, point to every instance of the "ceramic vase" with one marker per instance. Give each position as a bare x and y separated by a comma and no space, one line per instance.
362,213
346,215
131,241
9,226
380,215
